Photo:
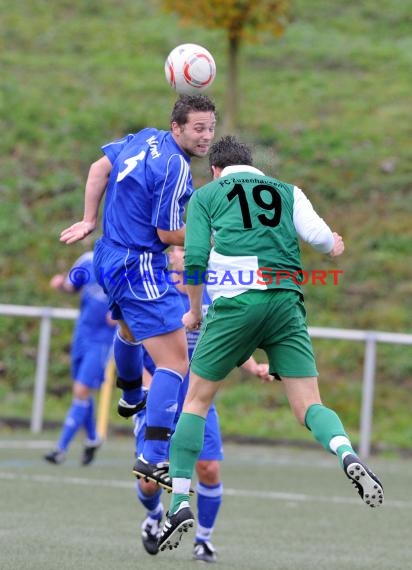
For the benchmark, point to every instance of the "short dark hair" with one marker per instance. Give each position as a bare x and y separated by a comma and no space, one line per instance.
188,104
228,151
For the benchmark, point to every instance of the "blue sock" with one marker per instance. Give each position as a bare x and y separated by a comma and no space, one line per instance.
129,365
74,421
90,421
161,409
151,503
209,499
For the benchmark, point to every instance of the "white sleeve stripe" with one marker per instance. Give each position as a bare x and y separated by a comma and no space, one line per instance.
179,191
119,141
173,212
309,226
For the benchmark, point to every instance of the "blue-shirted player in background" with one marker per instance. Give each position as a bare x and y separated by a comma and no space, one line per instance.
147,180
209,489
91,347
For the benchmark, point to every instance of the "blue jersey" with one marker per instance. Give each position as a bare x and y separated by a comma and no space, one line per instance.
91,325
149,186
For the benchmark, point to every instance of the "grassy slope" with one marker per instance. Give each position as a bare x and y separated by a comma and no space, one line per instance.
326,107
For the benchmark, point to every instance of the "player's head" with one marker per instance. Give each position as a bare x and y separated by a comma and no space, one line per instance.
192,124
228,151
187,104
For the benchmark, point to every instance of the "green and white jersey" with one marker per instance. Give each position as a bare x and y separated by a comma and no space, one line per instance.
243,230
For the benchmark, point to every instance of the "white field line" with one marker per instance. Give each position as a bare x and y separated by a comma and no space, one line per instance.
23,444
263,495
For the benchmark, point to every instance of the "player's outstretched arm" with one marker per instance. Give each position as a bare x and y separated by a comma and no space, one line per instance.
96,183
312,229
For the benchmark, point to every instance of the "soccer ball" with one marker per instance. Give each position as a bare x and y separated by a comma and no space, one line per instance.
190,68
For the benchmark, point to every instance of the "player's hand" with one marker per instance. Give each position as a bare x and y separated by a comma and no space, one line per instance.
192,320
338,247
57,281
77,232
263,373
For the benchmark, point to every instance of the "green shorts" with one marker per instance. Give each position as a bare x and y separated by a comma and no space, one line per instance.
273,320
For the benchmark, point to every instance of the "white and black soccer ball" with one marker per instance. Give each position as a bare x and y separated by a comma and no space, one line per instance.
190,69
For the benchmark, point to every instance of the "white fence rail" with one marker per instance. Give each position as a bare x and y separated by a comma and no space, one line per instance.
369,338
45,314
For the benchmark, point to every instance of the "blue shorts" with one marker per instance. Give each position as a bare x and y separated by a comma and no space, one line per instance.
138,290
212,443
89,363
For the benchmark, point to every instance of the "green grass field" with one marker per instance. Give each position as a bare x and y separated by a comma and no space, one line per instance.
324,107
283,509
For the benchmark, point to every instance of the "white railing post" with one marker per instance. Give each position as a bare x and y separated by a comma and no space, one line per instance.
41,373
369,368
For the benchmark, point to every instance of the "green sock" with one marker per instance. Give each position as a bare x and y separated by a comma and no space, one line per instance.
176,500
325,425
185,446
343,450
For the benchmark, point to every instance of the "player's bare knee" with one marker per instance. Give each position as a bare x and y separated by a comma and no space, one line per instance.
80,391
208,471
180,365
148,488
